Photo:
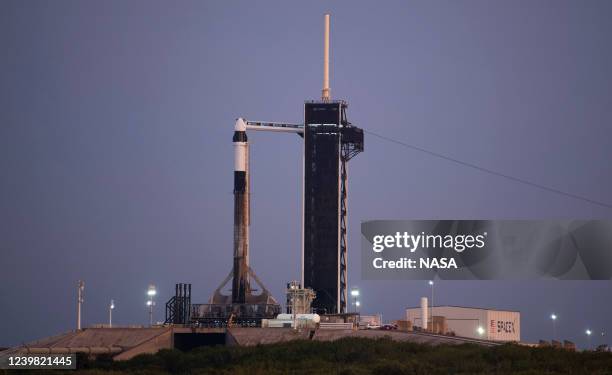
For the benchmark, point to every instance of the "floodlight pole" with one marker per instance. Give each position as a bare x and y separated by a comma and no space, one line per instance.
150,312
151,293
110,313
431,313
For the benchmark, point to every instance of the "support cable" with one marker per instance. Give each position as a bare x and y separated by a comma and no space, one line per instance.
492,172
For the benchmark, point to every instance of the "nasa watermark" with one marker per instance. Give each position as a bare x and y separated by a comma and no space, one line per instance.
486,249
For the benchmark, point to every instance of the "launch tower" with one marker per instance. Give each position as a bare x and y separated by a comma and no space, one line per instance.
330,141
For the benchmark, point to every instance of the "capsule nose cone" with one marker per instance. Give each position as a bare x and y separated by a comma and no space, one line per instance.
240,125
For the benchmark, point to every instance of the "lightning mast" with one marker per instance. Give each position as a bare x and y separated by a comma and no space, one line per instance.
325,93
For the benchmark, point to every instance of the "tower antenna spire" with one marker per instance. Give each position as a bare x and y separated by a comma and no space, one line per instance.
325,92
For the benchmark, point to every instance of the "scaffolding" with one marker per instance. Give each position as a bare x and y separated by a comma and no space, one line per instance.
299,300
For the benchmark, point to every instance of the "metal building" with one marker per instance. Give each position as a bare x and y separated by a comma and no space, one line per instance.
473,322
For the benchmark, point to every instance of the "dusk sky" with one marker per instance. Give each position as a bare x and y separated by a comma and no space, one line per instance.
116,163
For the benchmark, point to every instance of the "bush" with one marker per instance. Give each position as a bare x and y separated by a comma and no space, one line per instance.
360,356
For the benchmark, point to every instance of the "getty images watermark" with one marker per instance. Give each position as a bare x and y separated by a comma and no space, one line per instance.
486,249
412,243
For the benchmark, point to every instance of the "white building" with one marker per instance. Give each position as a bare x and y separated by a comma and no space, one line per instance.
496,325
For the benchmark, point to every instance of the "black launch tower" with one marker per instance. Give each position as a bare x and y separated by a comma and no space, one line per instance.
330,141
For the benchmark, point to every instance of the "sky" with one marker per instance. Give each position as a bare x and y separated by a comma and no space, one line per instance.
116,167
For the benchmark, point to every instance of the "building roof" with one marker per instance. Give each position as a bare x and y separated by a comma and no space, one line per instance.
466,307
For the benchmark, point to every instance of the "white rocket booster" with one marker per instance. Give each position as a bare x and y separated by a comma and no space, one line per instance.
240,284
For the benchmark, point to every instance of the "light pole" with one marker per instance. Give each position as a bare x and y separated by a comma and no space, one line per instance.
357,304
431,283
553,317
111,307
151,293
588,333
293,311
355,294
80,299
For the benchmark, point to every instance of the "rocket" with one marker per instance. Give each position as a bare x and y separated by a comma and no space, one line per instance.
240,284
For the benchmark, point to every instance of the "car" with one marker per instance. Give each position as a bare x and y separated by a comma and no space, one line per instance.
388,327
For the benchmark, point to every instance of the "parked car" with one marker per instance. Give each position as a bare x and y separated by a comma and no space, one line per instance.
388,327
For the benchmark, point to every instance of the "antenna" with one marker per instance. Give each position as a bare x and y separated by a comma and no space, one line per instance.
325,91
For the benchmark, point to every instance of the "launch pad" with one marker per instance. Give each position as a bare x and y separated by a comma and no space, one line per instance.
330,141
